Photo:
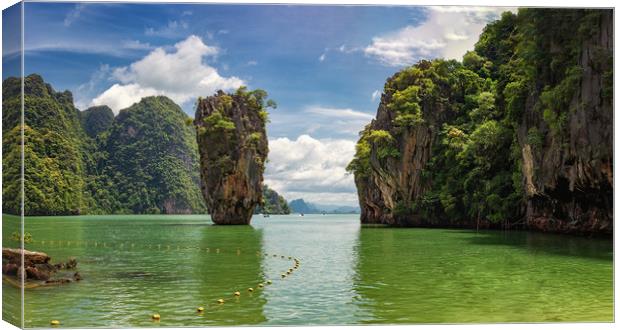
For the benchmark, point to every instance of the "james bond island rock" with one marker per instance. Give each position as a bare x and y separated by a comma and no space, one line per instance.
517,135
232,143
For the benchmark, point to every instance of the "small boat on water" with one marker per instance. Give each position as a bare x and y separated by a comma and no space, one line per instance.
301,214
265,215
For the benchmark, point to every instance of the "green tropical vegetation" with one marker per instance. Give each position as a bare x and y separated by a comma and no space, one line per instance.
143,161
474,110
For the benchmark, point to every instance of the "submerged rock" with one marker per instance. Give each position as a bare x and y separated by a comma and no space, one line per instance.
232,143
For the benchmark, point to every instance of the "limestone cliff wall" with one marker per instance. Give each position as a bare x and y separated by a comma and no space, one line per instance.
568,179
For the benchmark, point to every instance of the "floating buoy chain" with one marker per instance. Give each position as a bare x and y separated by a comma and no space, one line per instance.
167,247
131,246
236,295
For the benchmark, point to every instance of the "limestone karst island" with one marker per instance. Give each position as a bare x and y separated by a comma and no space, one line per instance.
239,165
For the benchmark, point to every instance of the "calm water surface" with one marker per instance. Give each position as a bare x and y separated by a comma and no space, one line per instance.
348,274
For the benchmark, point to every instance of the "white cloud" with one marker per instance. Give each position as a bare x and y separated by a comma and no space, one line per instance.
375,95
319,121
251,63
312,169
322,57
344,49
171,30
74,14
136,44
181,75
119,97
84,93
339,113
448,32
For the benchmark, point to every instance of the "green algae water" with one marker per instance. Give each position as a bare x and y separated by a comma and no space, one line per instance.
135,266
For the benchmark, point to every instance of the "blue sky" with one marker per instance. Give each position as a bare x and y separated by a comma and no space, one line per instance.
324,65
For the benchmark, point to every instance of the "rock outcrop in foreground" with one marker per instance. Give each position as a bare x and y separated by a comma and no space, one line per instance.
517,135
37,269
232,143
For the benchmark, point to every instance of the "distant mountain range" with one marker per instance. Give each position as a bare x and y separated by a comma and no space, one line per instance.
301,206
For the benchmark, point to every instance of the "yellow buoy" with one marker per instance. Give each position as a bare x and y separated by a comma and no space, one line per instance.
290,270
55,322
283,275
237,293
250,290
200,309
288,273
289,258
221,301
260,285
269,282
155,317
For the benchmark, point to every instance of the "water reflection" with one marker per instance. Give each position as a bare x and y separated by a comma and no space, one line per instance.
348,275
218,278
439,276
536,242
322,291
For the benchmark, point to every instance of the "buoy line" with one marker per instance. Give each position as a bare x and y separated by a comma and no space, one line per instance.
236,295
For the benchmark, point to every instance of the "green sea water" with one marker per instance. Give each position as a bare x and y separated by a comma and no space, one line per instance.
348,273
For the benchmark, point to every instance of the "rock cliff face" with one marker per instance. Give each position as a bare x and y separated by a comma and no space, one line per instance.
232,144
568,177
517,135
390,177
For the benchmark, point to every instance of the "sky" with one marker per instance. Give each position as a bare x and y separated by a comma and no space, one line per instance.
325,66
